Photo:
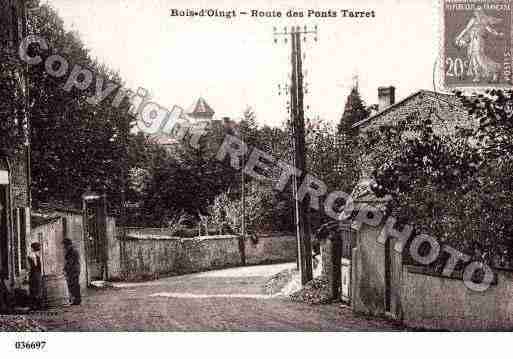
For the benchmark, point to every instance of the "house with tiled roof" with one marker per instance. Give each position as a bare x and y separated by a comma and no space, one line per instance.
384,281
445,111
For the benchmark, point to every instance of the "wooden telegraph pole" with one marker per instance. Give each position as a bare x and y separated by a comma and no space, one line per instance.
297,123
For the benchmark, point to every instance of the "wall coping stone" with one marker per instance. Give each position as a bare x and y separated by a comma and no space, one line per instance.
456,275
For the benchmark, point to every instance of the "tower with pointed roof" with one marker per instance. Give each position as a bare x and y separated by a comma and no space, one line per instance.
200,110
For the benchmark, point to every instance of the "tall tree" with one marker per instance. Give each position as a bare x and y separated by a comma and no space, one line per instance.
354,111
12,105
75,143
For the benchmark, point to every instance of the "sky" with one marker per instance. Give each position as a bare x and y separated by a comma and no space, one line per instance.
234,63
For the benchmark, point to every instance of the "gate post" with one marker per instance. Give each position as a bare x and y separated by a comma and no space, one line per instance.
331,250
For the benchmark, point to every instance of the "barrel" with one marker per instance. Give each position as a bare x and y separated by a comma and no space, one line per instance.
55,291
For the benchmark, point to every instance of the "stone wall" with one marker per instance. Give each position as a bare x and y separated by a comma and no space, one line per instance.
421,298
51,234
445,303
271,249
151,256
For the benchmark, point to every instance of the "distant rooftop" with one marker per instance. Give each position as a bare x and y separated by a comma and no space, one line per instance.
200,109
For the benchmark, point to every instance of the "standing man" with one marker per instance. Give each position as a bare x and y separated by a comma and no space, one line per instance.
35,277
72,271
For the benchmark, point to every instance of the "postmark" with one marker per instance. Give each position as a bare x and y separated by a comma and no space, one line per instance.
476,43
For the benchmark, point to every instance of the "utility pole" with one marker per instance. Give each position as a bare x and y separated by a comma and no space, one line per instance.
125,128
297,123
243,192
248,116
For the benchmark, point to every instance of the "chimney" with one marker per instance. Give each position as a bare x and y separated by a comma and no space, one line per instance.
386,97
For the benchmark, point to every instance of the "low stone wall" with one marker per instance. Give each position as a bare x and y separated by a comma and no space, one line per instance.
436,302
270,249
151,256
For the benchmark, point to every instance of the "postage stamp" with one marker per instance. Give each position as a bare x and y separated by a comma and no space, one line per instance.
477,43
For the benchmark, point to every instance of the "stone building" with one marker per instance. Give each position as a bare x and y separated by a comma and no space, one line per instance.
14,168
377,268
444,110
385,282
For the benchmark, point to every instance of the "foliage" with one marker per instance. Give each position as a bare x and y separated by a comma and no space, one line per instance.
185,177
176,222
226,211
331,157
354,111
455,185
12,106
75,144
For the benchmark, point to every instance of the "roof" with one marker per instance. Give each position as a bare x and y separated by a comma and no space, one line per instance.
57,207
200,109
448,98
39,219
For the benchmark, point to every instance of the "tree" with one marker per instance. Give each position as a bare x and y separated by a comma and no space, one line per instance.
187,178
12,106
75,144
354,111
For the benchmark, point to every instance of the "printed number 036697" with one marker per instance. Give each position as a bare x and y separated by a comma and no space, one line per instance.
37,345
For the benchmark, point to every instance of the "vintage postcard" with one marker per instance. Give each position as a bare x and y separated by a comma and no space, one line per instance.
241,166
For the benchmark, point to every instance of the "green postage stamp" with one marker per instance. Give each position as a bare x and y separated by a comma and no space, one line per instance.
476,43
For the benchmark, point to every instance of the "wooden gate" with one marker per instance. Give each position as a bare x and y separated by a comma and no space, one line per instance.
95,233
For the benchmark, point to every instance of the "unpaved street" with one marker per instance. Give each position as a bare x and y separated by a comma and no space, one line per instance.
222,300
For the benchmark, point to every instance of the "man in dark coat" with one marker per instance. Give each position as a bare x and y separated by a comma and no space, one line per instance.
72,271
35,277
